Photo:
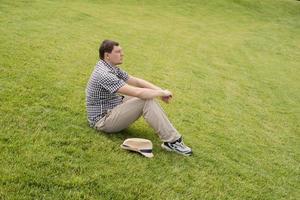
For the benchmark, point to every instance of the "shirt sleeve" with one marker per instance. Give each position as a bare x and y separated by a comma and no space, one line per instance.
122,75
110,82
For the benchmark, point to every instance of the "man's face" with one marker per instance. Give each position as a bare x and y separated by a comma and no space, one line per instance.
116,56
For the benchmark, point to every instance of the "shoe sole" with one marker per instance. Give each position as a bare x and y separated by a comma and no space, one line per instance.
171,150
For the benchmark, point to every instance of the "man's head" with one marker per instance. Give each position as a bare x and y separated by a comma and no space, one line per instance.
111,52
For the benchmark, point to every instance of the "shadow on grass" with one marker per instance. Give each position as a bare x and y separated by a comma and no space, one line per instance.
139,132
130,132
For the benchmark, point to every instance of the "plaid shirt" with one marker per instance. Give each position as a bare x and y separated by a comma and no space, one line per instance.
101,90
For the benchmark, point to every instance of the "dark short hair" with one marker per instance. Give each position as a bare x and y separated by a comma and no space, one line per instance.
106,46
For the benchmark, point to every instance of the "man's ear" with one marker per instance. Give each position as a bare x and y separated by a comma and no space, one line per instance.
106,55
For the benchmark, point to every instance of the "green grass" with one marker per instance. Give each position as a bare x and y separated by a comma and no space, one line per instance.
233,66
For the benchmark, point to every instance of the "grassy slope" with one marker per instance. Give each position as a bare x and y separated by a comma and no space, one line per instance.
233,67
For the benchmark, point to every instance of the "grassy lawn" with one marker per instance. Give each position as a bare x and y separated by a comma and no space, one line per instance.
234,69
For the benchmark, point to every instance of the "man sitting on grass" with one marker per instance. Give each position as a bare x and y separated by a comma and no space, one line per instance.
114,100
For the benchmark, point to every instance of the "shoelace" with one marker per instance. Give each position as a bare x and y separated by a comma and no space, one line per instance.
181,144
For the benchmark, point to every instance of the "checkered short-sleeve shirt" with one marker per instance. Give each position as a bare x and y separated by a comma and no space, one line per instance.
101,90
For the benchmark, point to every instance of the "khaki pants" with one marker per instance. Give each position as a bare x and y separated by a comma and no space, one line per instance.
130,110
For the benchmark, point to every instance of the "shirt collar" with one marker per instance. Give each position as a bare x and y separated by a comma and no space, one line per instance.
110,66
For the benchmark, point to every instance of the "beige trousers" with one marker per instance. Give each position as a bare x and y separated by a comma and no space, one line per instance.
130,110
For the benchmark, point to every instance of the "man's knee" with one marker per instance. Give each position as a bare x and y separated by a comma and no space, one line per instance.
151,103
138,102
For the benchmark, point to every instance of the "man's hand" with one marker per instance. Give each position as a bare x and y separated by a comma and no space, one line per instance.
167,96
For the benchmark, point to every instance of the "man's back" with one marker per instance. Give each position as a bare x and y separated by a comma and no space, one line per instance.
101,90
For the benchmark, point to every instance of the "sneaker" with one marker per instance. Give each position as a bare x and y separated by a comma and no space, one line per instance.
178,146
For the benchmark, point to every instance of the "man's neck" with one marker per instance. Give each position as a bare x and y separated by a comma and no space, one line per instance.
111,64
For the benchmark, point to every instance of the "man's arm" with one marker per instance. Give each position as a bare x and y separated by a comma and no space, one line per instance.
143,93
137,82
